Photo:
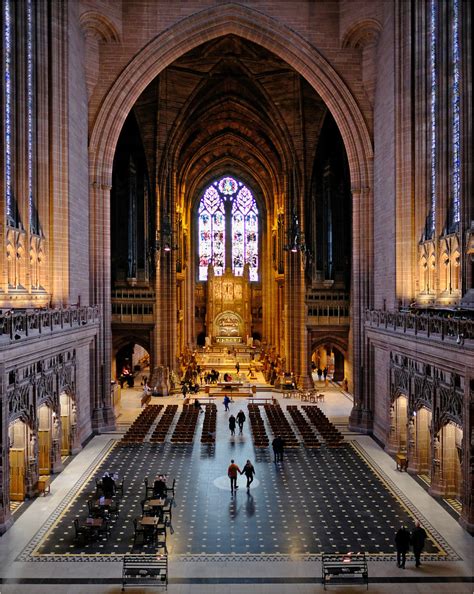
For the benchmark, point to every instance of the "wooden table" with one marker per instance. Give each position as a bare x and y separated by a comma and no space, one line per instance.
156,502
149,521
402,462
44,484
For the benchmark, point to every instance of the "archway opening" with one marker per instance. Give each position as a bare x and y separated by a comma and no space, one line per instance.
451,441
420,458
19,437
68,423
45,439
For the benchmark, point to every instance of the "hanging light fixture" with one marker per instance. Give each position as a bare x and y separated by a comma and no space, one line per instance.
164,236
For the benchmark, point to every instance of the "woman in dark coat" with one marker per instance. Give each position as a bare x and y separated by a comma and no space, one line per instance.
232,424
249,471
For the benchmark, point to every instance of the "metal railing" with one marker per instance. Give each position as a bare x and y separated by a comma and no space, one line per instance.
22,324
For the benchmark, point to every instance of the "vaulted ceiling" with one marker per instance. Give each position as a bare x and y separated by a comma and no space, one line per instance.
230,106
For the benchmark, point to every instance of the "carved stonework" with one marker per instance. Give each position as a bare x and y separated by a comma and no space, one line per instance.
228,307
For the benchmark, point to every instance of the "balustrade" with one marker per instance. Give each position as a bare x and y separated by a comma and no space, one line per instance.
18,325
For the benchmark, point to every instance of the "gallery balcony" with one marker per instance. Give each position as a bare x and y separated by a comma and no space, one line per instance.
26,324
455,327
328,308
133,306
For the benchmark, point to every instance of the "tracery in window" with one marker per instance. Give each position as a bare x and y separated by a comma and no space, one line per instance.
228,203
32,211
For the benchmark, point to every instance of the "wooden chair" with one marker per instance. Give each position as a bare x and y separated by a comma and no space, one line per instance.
172,488
139,531
148,489
81,532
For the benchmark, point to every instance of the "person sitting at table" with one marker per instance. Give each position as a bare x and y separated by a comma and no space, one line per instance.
227,377
159,487
108,485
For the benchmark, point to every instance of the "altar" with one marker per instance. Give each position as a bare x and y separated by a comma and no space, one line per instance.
228,313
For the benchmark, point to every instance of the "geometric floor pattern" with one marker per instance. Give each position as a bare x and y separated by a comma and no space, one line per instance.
316,501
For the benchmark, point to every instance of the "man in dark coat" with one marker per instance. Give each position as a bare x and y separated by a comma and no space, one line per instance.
241,420
402,542
278,447
418,537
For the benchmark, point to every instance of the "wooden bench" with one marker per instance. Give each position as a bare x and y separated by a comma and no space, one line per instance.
263,399
202,399
339,569
145,570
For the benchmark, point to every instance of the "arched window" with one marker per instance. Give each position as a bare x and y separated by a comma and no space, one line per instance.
228,205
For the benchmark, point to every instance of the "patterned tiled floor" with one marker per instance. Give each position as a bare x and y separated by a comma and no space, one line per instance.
328,500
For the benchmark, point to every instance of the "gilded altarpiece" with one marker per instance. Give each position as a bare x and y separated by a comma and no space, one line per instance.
228,307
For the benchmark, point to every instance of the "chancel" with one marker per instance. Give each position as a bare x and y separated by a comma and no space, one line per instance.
236,207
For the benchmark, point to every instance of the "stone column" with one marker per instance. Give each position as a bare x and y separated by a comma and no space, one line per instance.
6,519
361,417
103,418
467,496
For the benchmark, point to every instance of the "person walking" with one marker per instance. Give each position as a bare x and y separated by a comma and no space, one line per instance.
184,389
241,420
278,446
418,537
226,402
237,367
402,542
232,473
232,424
249,471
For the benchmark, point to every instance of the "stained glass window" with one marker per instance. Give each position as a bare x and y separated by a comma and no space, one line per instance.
228,203
29,115
433,107
7,33
455,98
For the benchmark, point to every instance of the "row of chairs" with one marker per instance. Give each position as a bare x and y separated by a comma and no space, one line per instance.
141,425
209,424
309,437
161,430
260,437
311,396
280,425
186,425
331,435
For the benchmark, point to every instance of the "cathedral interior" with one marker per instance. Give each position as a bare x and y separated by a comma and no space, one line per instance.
262,204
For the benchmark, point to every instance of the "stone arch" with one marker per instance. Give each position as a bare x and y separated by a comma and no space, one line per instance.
251,25
96,24
362,33
288,45
336,341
